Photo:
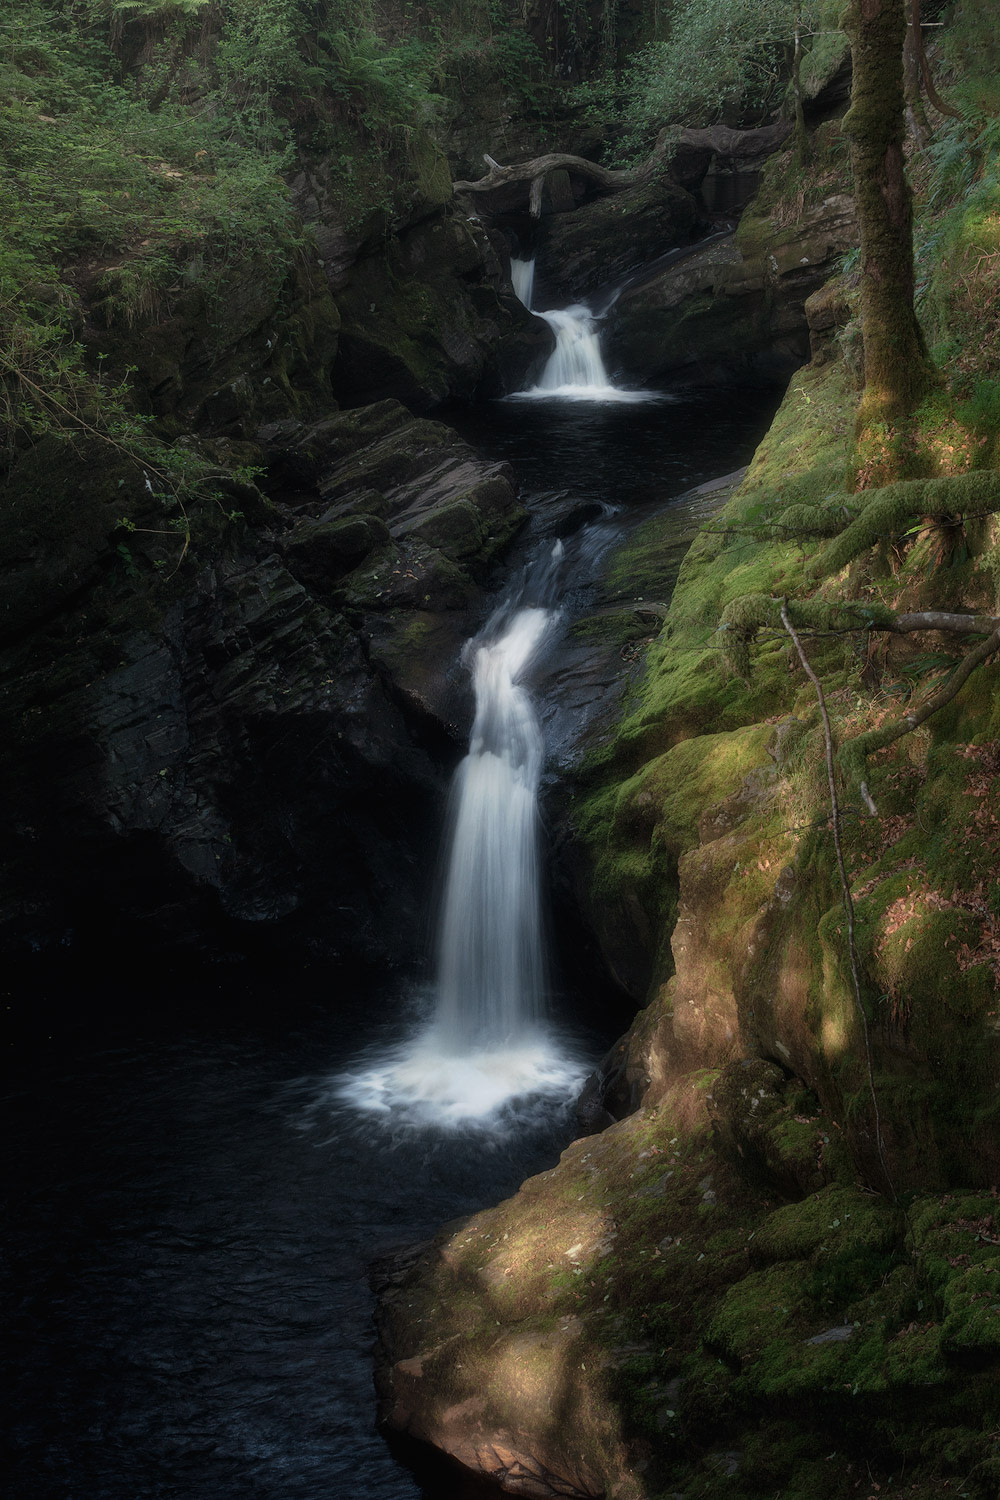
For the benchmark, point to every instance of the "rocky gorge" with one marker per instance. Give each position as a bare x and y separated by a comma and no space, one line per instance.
232,702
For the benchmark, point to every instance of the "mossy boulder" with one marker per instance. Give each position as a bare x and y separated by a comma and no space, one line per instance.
706,1339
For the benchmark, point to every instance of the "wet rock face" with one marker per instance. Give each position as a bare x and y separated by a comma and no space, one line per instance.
736,299
250,744
597,244
429,318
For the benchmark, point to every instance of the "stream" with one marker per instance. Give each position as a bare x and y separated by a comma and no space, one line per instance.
196,1197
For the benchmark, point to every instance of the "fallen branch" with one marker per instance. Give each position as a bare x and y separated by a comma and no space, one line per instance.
525,174
751,615
938,619
527,178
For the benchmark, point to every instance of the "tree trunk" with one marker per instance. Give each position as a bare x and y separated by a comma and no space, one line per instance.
897,371
916,114
925,68
801,139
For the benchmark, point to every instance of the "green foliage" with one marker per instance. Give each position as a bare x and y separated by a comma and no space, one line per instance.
980,413
958,252
972,46
99,188
721,59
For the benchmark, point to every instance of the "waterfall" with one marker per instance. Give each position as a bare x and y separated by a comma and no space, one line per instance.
575,369
576,364
522,275
485,1044
490,965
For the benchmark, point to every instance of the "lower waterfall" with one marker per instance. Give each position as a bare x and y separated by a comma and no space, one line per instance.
485,1044
490,966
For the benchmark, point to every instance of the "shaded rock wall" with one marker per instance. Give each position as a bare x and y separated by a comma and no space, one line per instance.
252,739
596,245
736,299
433,318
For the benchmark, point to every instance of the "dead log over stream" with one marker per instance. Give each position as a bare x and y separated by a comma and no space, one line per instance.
511,189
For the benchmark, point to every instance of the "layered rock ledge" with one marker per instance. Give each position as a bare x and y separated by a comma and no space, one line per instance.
238,720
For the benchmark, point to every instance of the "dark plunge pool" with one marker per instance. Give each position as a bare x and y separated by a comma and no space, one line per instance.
191,1211
190,1215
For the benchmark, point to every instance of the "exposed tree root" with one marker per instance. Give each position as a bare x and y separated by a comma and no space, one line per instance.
744,618
854,753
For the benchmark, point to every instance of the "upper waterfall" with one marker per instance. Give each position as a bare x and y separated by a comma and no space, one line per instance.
575,369
522,275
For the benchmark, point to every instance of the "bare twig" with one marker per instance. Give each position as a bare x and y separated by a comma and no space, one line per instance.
844,886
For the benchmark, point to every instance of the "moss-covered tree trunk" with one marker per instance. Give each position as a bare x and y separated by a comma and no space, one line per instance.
916,113
897,371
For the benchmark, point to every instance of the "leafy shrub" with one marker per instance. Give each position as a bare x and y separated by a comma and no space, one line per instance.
722,58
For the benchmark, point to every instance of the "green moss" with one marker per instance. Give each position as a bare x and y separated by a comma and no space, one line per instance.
886,512
837,1221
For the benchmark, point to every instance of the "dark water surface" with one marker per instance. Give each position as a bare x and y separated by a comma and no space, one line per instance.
190,1214
621,454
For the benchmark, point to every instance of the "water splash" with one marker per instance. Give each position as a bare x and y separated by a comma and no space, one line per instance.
499,1090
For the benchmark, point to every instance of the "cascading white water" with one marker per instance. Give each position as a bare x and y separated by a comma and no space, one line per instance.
575,369
485,1043
522,275
576,364
490,966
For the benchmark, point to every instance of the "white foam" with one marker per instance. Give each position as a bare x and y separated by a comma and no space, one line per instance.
586,393
420,1083
575,369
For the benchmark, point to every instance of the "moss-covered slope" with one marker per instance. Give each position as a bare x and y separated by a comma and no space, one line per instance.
722,1294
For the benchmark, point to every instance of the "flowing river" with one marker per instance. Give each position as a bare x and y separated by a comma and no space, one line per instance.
203,1175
